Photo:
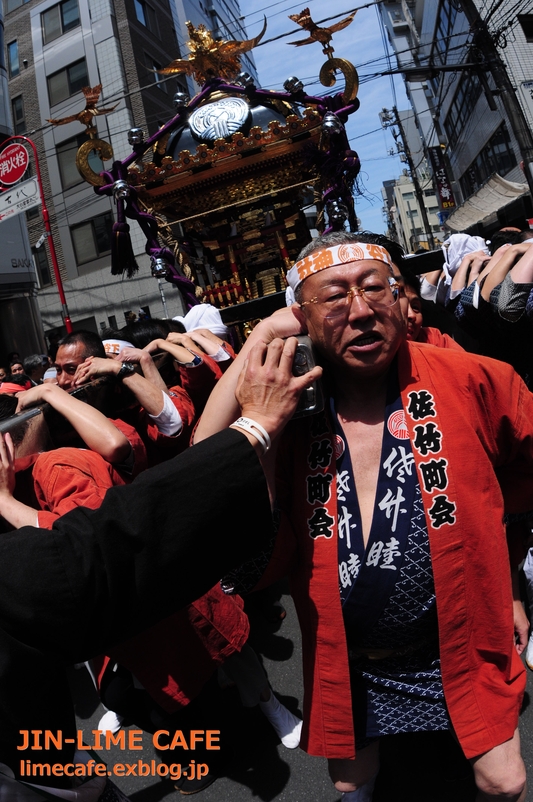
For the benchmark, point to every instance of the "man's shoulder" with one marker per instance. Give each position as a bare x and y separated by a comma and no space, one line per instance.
65,458
458,361
457,374
433,336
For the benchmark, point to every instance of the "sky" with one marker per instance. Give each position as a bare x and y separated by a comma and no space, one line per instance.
362,44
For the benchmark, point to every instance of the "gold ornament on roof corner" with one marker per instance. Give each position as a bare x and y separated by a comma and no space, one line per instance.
90,111
324,36
210,58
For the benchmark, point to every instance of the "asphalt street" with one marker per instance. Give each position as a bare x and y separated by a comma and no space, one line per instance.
422,767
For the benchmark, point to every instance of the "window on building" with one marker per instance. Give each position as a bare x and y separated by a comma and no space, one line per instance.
408,195
446,21
66,82
19,119
13,63
146,15
66,156
462,107
154,67
10,5
496,157
526,23
43,268
33,213
92,239
59,19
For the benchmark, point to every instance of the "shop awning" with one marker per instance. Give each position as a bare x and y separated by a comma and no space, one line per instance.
483,205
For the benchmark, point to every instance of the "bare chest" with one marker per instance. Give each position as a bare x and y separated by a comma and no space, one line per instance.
365,442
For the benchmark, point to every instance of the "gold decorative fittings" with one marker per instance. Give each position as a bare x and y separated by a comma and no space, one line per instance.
90,111
210,58
86,118
104,150
327,77
324,35
223,148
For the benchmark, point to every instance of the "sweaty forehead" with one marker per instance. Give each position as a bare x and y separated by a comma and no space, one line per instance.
70,354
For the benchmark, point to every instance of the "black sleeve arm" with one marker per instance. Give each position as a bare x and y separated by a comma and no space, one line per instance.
100,576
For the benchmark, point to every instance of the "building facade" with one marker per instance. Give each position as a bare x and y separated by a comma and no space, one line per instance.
53,50
403,214
458,106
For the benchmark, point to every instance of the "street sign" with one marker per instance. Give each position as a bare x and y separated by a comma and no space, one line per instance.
440,173
14,162
19,199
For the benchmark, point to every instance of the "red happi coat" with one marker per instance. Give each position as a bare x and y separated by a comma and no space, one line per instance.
433,336
174,659
477,417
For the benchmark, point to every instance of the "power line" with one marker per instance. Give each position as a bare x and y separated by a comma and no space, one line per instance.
273,5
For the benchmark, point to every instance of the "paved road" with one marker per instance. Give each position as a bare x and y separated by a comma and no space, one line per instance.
265,770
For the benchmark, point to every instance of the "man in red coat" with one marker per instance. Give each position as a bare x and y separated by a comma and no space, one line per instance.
392,505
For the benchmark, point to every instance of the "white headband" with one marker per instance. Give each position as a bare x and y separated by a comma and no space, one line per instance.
333,256
114,347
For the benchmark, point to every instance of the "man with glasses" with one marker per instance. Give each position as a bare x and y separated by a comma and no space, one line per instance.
391,530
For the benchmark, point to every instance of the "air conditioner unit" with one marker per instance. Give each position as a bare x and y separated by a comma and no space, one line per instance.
400,25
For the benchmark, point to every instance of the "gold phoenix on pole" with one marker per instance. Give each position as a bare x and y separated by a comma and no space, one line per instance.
87,115
324,36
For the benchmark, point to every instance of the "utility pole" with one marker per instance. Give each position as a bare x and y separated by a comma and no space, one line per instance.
413,242
485,43
389,119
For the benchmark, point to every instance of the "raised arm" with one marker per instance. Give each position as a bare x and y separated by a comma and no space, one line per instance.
469,269
180,352
267,394
222,407
501,263
144,359
522,272
97,432
147,394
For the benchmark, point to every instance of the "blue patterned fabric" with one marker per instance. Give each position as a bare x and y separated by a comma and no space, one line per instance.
403,693
391,609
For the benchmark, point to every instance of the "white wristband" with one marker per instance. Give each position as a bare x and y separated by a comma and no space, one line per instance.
258,431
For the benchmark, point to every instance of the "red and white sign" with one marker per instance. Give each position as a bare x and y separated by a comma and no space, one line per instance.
14,161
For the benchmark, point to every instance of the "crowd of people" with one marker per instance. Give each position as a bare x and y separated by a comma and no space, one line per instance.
486,285
158,679
383,504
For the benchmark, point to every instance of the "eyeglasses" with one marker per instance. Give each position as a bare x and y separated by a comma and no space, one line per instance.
335,302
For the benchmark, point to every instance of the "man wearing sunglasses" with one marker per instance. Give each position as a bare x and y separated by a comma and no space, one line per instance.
392,503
